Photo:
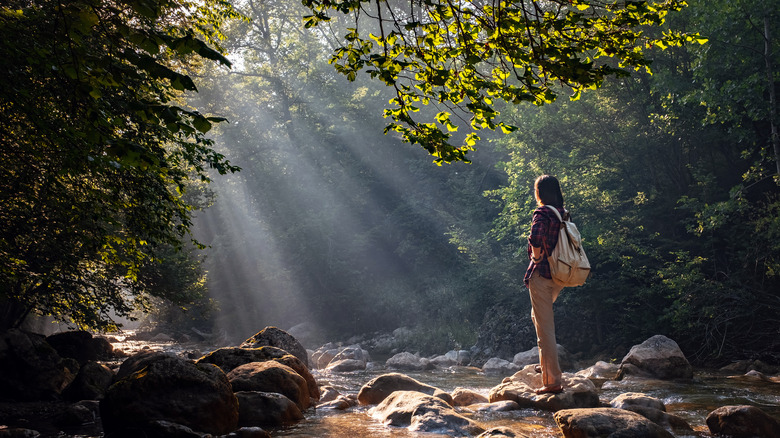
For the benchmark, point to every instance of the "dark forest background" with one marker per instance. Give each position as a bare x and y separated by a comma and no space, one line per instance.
671,178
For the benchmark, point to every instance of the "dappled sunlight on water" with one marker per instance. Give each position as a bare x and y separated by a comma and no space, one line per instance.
691,401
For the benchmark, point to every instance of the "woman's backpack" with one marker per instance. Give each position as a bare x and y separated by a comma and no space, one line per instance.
568,263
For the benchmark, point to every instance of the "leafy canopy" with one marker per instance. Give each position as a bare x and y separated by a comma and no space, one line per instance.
465,55
97,151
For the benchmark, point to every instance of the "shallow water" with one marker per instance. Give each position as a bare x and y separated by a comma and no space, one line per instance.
691,401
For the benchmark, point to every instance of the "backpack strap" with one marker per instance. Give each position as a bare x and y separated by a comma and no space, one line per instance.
555,210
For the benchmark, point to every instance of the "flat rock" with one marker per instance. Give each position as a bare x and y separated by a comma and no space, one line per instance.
743,422
379,388
607,422
579,392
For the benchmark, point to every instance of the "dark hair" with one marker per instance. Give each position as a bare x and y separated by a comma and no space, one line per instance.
548,191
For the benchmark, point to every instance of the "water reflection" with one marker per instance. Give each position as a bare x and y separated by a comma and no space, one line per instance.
691,401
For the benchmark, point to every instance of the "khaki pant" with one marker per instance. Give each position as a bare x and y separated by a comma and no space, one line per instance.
543,293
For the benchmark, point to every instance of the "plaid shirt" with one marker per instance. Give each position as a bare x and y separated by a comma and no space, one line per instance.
544,233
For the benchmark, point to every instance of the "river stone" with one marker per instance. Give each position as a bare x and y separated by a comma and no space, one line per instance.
578,392
628,399
600,371
742,422
410,362
271,376
658,357
276,337
230,358
163,386
499,432
17,432
607,422
499,366
465,397
532,357
248,432
30,369
91,382
82,346
423,413
499,406
329,393
346,365
380,387
322,356
256,408
340,403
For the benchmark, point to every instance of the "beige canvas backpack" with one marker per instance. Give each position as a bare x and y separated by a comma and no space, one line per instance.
568,263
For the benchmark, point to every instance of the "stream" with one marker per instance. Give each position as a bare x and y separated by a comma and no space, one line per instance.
691,401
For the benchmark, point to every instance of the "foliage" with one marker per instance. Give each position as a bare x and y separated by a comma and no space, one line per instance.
96,149
465,56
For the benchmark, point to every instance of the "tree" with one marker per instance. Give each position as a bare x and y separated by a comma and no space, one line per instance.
463,56
97,152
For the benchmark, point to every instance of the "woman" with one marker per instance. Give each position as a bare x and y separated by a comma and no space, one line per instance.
543,291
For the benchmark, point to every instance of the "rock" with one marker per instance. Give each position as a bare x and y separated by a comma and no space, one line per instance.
423,413
408,361
346,365
650,408
499,406
248,432
579,392
17,432
352,352
465,397
607,422
323,355
381,387
271,376
629,399
169,429
79,414
82,346
531,356
742,422
499,366
163,386
498,432
340,403
161,338
452,358
600,371
329,393
31,369
278,338
257,408
658,357
91,382
229,358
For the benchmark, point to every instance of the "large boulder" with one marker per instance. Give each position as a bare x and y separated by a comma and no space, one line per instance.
658,357
382,386
230,358
600,371
271,376
423,413
578,392
30,369
607,422
257,408
164,387
91,383
82,346
742,422
276,337
321,357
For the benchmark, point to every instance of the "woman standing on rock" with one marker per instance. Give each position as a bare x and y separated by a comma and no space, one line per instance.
543,290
